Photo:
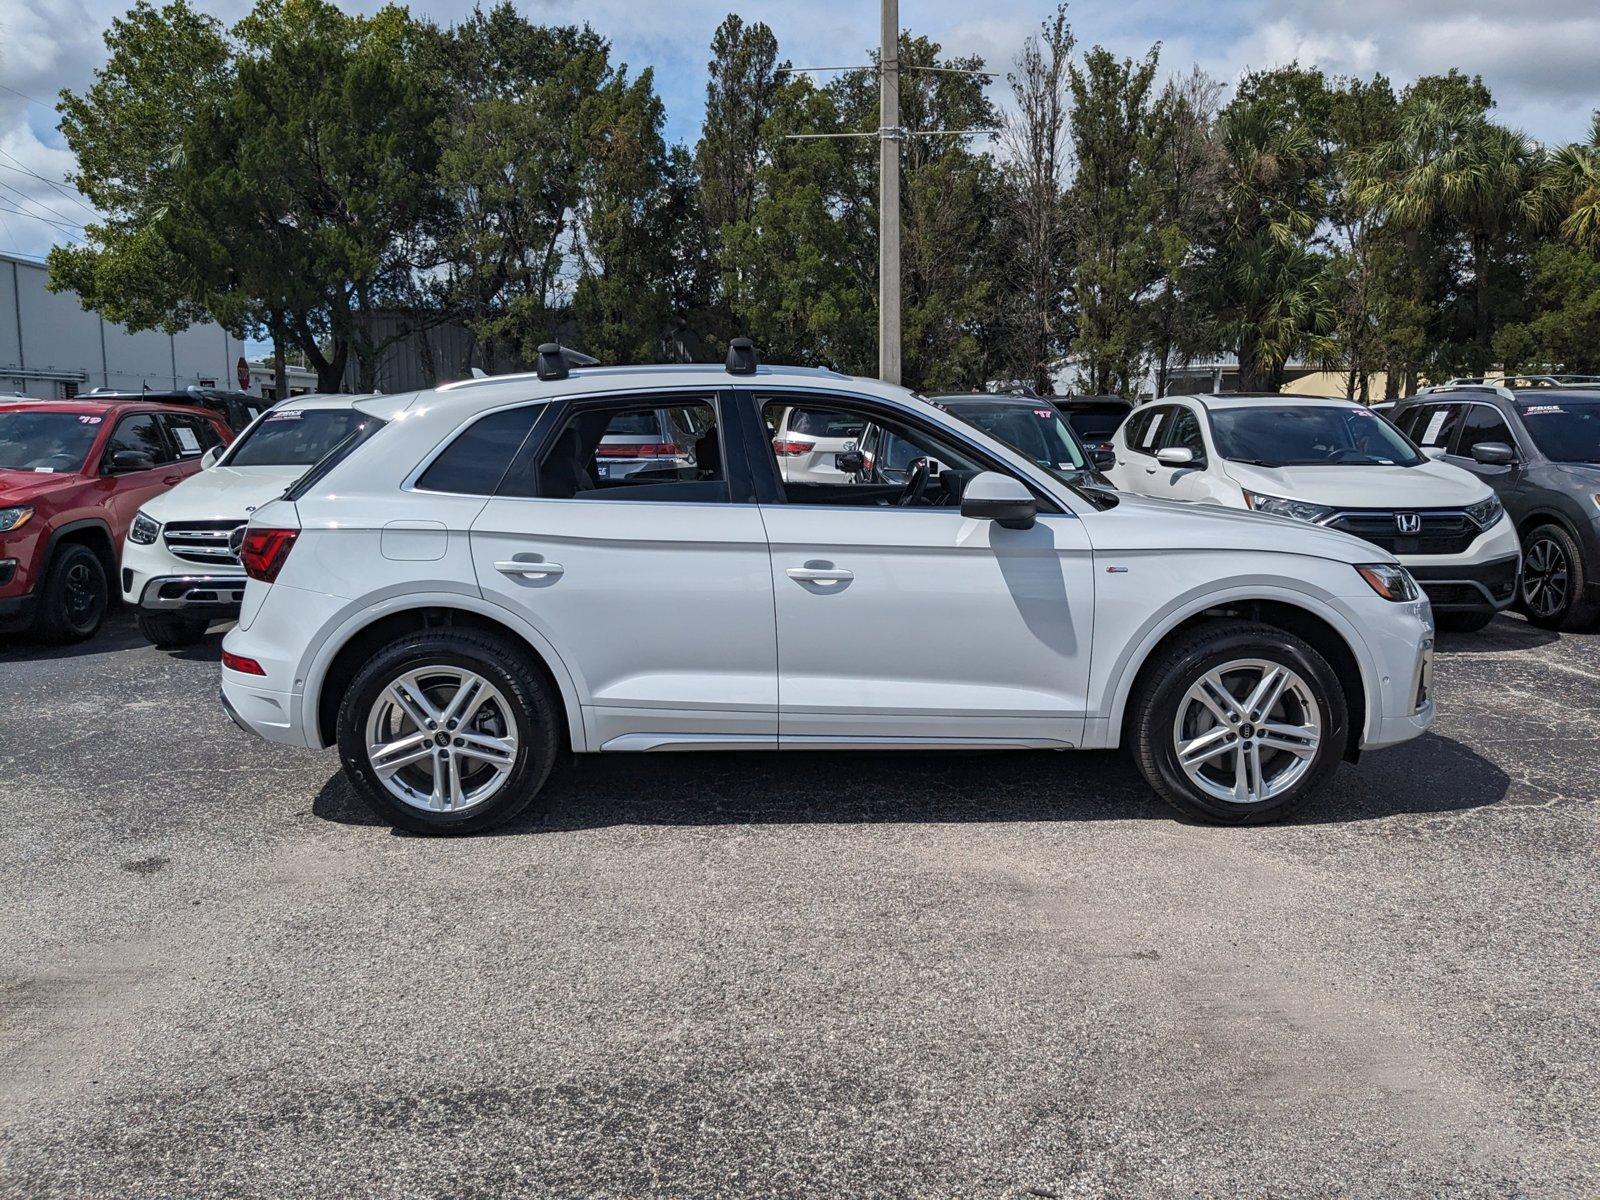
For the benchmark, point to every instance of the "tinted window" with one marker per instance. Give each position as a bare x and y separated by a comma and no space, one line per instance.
1309,435
1036,431
1437,424
1565,432
1185,434
689,469
642,423
1097,425
192,436
1483,423
473,464
296,438
824,422
46,441
139,433
342,450
1144,430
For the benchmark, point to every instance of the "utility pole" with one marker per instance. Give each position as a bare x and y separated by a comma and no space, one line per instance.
889,196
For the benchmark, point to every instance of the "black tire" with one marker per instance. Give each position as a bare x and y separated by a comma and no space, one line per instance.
530,699
167,631
75,596
1554,580
1463,622
1153,713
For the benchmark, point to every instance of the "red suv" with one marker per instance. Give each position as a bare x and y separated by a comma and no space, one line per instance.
72,475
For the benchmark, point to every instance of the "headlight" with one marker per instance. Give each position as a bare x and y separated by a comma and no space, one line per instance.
1486,512
1300,510
1390,580
144,530
14,518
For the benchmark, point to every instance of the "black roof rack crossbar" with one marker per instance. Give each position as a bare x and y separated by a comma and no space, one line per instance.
556,360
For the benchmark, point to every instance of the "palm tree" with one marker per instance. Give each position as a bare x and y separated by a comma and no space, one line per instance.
1569,191
1449,164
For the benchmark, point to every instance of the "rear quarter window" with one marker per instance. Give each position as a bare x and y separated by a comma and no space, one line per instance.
475,462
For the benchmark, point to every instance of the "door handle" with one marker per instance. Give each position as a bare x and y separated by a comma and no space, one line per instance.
819,575
171,479
529,569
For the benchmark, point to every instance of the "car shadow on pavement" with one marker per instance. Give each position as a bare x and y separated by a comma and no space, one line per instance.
1505,632
118,633
1430,775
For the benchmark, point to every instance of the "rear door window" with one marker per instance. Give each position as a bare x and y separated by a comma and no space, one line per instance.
579,464
191,436
1438,424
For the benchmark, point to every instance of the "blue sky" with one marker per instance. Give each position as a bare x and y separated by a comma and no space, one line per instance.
1540,60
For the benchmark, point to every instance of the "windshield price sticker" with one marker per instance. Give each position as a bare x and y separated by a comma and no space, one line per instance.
1540,409
88,420
1044,414
293,415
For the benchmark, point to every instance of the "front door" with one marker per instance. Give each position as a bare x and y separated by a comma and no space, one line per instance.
901,622
654,588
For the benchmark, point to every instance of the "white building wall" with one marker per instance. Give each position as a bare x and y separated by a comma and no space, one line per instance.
49,345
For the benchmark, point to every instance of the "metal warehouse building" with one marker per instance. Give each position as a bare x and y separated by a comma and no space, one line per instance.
51,348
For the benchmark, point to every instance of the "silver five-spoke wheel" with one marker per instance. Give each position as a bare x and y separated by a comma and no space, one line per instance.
1247,730
441,739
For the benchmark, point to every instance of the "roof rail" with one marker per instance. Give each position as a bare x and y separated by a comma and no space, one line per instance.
1454,385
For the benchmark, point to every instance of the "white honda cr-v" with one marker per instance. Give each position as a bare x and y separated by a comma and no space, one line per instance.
456,596
1336,464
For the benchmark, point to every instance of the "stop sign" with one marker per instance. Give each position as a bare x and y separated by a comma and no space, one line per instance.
244,373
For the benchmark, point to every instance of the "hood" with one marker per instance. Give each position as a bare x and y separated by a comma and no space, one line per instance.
1430,485
1142,523
222,493
22,487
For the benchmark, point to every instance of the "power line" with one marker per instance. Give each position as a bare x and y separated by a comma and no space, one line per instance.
72,232
27,199
31,173
6,87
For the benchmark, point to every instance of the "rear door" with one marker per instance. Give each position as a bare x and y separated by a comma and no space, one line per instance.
655,589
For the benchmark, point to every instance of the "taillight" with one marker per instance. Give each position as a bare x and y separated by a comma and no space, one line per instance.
241,664
788,449
639,450
265,550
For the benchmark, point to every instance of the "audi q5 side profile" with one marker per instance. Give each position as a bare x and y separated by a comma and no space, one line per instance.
456,597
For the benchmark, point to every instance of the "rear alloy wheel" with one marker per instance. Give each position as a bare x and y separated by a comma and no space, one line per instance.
1554,580
75,596
1238,723
448,732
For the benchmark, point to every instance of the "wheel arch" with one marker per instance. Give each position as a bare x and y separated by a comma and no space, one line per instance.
1326,630
335,663
93,533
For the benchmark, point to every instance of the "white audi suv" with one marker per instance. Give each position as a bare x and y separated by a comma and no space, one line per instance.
455,597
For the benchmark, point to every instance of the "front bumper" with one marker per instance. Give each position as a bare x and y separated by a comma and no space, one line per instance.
215,596
1470,587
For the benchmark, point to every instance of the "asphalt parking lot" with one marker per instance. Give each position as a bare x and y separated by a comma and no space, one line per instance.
866,975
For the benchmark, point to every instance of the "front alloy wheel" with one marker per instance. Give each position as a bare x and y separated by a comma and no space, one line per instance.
1546,579
1237,721
1247,731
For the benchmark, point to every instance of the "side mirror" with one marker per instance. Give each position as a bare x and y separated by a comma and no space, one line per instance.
1175,456
122,462
851,462
1434,452
209,458
1494,454
1102,458
991,496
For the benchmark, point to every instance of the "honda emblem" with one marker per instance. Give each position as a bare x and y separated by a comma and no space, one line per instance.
1408,522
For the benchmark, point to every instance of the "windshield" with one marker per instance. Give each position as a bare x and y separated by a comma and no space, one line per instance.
1097,425
1311,435
1565,432
46,441
296,438
1039,432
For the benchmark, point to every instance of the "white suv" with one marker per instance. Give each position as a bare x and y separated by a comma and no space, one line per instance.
180,562
1335,464
459,598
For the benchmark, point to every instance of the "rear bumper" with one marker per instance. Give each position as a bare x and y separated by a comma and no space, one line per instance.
1470,587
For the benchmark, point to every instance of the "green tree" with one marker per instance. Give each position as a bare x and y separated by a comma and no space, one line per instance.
1562,332
1114,208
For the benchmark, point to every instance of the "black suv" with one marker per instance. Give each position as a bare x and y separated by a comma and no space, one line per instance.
1539,449
238,409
